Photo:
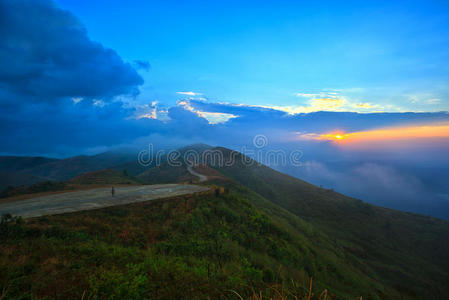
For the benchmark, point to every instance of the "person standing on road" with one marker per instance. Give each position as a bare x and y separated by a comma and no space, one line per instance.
113,191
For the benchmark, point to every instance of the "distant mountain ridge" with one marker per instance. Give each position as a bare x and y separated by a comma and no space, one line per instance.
105,176
17,170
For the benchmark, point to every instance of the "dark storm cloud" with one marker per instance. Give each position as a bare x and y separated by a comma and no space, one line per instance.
46,55
142,65
46,62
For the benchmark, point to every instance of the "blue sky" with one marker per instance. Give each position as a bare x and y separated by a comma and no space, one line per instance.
392,55
83,77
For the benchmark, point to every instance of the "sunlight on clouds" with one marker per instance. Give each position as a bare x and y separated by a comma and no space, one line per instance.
331,100
327,104
150,115
211,117
215,117
151,111
318,104
376,137
365,105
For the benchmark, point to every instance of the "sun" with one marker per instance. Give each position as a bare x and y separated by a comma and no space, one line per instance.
335,136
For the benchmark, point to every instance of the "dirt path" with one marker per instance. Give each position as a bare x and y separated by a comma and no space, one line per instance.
94,198
195,173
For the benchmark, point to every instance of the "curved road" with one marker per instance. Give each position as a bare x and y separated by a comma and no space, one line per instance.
195,173
94,198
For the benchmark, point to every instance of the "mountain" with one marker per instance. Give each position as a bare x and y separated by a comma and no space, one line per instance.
404,251
106,176
11,168
258,231
14,179
19,163
29,170
408,252
17,170
71,167
166,173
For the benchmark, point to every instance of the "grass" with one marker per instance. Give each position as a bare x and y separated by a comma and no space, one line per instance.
186,248
404,251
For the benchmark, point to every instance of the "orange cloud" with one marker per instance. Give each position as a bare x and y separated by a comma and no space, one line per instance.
392,135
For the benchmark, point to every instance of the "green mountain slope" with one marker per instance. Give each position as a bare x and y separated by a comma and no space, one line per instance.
166,174
191,247
264,229
12,167
13,179
71,167
106,176
20,163
407,252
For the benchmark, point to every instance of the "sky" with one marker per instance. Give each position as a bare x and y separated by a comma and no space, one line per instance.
390,54
361,88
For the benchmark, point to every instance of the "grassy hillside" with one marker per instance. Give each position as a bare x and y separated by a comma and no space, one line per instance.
184,248
166,174
71,167
11,168
405,251
20,163
14,179
106,176
269,232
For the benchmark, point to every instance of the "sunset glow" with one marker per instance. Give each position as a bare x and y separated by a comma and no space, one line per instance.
433,131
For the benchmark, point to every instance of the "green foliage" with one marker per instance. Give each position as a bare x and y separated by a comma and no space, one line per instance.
11,227
183,248
404,252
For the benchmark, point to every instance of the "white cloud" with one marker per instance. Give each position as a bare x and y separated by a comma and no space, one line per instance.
306,95
211,117
99,102
215,117
150,115
433,101
189,93
328,93
150,111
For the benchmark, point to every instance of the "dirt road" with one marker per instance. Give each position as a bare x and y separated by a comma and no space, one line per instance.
195,173
94,198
